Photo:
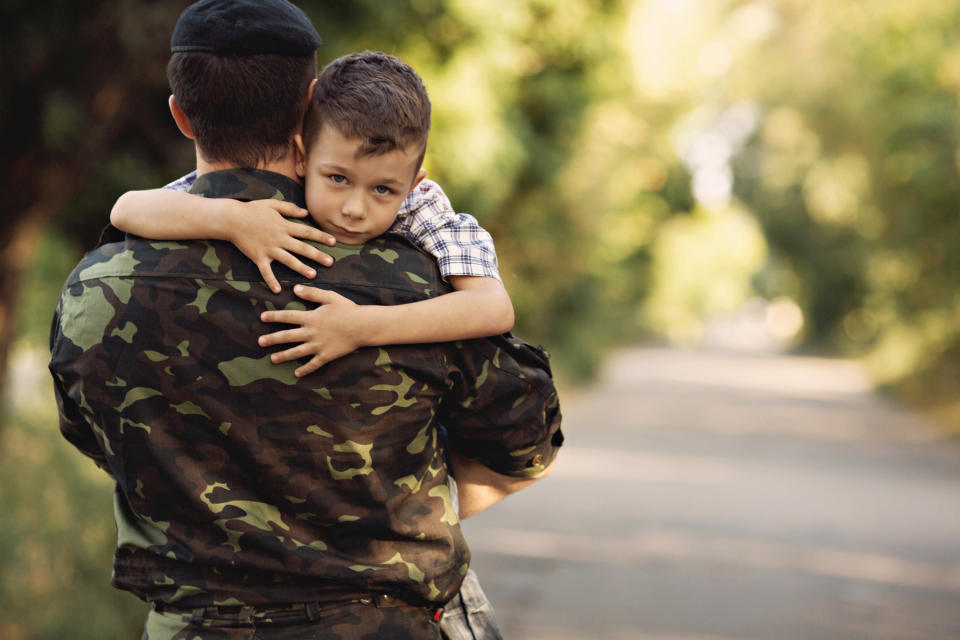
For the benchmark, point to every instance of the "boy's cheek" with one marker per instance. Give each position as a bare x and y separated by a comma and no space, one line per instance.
316,214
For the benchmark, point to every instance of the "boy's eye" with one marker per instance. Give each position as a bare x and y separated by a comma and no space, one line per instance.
339,179
381,190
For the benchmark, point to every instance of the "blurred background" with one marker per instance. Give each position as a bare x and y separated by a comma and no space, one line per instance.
762,176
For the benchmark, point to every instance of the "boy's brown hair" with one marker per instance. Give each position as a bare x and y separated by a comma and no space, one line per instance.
374,97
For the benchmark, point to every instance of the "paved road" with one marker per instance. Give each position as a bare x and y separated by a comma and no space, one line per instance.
714,496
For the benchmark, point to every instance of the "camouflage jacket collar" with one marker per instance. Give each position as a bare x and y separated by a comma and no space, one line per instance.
249,184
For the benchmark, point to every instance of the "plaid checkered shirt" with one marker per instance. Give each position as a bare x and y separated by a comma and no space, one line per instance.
426,218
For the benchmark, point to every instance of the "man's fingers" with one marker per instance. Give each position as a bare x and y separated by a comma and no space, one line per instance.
267,274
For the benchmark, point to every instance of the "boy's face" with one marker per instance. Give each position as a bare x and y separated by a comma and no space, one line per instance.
355,198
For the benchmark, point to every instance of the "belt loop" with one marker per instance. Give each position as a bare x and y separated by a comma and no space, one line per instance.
312,609
197,616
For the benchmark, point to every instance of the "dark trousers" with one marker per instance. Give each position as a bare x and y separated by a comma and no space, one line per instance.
365,619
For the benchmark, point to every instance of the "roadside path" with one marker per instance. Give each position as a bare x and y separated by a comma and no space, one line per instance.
719,496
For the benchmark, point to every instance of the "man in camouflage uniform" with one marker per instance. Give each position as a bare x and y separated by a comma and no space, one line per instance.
251,504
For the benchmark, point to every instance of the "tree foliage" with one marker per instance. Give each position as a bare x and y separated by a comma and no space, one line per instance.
853,175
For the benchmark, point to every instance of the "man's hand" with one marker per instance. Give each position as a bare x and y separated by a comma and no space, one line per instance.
260,230
326,333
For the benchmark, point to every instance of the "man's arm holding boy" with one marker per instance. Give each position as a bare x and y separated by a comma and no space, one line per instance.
504,423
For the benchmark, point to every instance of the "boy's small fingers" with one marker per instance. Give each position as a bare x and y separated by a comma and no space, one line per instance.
297,230
283,316
315,363
280,357
291,261
292,353
309,251
279,337
267,274
312,233
288,209
313,294
324,258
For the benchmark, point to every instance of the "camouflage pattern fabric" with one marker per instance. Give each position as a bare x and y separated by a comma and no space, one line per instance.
356,620
238,484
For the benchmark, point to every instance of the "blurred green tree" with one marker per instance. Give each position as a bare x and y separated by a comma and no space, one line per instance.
854,177
82,118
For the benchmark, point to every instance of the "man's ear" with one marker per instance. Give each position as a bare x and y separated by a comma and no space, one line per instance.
301,153
313,83
180,118
421,174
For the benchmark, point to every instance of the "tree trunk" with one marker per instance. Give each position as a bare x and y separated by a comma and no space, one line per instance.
16,252
82,80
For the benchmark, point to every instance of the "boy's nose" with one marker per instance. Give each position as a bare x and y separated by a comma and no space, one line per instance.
352,207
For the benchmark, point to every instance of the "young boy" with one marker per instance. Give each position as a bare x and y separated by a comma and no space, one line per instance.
362,170
361,160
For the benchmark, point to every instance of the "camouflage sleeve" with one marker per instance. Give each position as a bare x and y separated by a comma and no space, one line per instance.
505,413
73,425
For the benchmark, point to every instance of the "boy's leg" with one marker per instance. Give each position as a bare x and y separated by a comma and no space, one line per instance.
469,615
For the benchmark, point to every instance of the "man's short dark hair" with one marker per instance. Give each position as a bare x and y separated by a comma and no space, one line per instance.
373,97
244,110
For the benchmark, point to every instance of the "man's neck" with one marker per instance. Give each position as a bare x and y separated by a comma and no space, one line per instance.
285,166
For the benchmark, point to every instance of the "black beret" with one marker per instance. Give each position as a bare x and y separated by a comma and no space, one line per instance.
245,27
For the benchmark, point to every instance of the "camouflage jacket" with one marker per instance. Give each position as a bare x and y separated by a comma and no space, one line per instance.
237,483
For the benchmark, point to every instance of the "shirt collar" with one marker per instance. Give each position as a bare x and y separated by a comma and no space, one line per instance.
249,184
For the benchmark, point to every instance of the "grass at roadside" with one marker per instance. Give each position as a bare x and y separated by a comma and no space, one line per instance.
56,527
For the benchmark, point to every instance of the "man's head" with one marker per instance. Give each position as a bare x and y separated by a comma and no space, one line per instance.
364,138
240,71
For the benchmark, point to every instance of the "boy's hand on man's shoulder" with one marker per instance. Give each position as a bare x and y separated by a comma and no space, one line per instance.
326,333
262,231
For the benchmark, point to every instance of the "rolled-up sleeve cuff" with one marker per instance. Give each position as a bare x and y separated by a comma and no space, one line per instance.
533,460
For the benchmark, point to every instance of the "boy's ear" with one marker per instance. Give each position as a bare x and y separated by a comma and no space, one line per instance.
417,179
180,118
301,153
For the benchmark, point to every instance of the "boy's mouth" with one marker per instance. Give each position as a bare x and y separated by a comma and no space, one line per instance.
346,232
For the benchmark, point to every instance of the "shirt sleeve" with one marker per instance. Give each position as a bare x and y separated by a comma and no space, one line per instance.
183,183
73,425
459,244
111,234
504,412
